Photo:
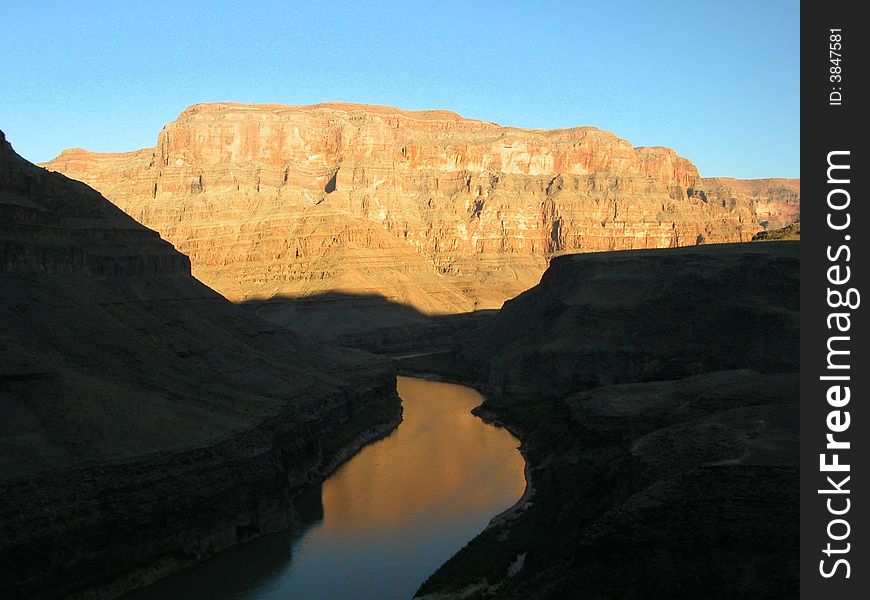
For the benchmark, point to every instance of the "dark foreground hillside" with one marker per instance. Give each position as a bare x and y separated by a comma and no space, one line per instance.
146,422
656,393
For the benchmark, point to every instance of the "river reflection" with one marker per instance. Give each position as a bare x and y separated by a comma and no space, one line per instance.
386,519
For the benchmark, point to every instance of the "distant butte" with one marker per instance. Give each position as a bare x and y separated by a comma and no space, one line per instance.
425,208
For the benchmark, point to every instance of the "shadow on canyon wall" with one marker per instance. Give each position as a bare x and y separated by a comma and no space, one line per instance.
239,571
371,322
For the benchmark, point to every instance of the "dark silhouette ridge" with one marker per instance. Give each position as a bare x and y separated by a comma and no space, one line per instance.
147,422
53,224
368,321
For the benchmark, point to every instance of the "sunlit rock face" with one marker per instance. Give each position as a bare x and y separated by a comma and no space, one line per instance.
430,209
777,201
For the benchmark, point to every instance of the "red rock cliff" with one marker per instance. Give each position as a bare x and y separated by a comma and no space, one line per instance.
427,208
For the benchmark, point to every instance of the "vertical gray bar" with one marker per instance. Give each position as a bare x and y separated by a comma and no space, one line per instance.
834,260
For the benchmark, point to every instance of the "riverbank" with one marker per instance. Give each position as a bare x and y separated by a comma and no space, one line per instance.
240,498
332,461
512,512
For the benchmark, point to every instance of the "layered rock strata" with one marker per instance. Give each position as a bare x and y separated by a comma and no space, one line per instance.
145,421
657,394
777,201
427,209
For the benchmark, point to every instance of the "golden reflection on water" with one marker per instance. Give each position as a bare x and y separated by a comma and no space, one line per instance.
442,462
390,515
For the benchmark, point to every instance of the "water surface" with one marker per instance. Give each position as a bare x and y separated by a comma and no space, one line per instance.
385,520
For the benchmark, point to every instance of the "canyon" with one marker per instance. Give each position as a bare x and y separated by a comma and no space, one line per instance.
363,204
146,422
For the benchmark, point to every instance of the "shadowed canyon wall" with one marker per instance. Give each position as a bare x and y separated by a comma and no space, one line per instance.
145,421
657,396
428,209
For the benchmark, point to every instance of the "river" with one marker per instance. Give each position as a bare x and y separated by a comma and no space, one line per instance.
385,520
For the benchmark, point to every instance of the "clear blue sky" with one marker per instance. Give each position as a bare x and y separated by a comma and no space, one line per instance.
717,81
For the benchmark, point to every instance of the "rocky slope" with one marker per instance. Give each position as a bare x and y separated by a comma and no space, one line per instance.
145,421
427,209
657,395
620,317
783,234
777,201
